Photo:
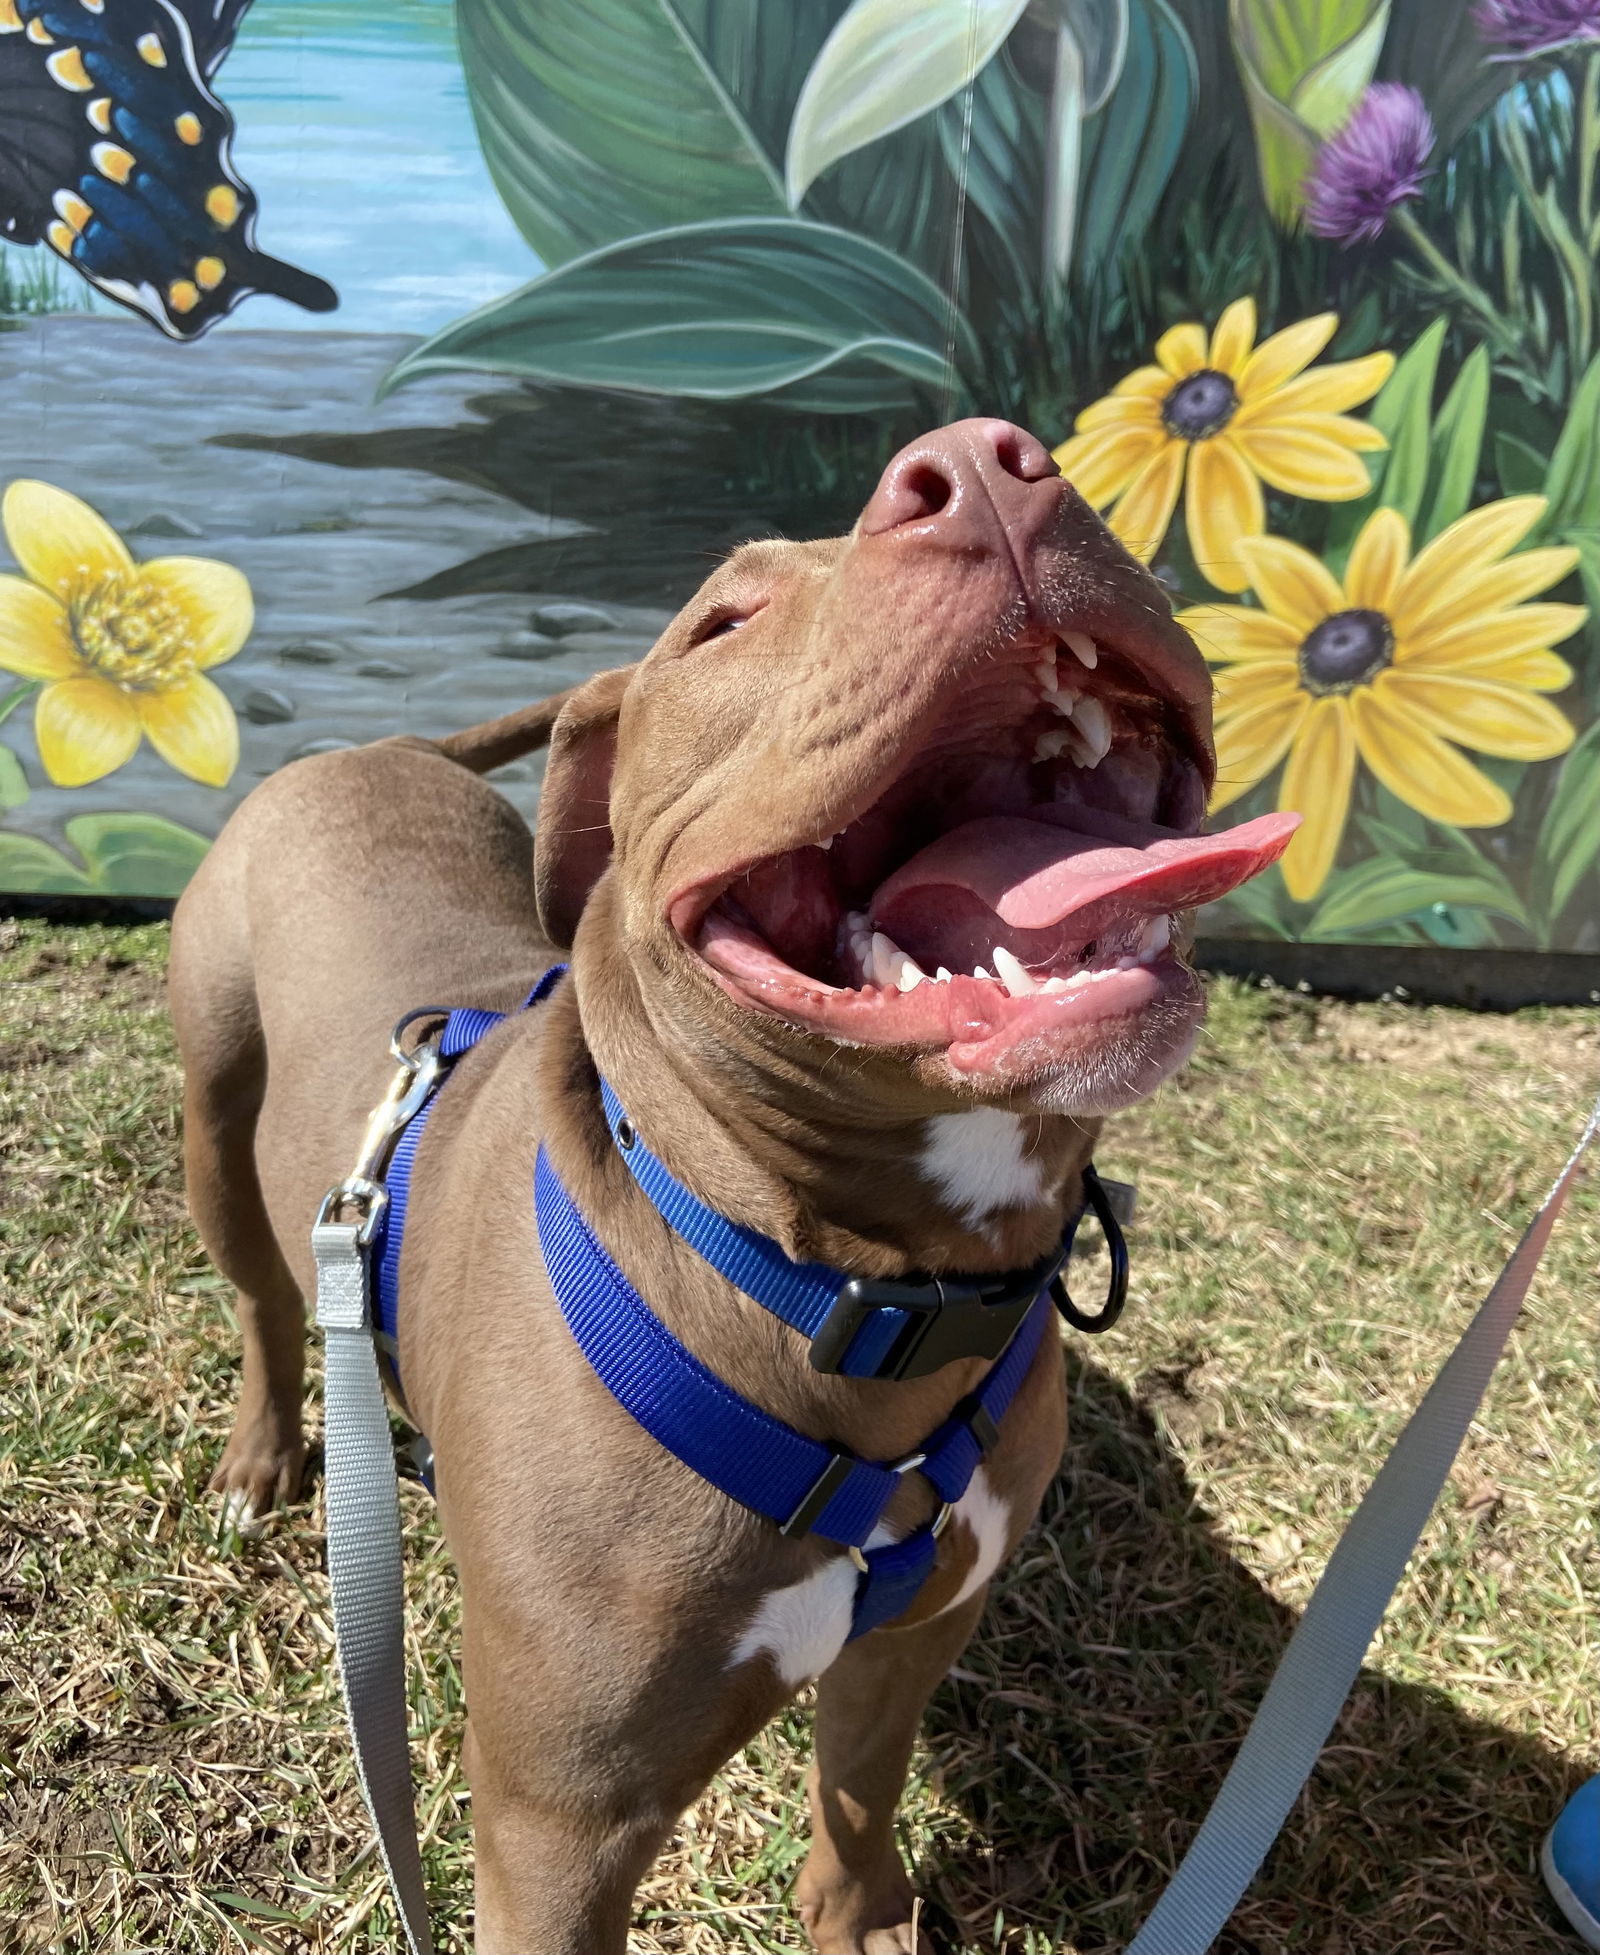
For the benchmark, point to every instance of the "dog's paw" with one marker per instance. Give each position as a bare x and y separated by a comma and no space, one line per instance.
254,1476
842,1920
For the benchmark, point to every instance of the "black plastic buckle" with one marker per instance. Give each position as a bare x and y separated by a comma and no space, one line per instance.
1101,1201
947,1318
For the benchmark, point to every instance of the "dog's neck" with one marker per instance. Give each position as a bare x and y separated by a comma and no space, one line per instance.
880,1178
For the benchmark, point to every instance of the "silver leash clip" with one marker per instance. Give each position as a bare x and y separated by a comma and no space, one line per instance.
361,1196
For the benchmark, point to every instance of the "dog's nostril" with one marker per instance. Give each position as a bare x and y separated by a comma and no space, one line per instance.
927,488
1019,453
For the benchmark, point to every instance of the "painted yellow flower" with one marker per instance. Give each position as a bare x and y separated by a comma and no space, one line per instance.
1408,656
1230,415
122,647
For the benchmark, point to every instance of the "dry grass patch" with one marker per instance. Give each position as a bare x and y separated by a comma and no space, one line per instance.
1325,1195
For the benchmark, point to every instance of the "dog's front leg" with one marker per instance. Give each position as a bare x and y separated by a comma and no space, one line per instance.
853,1894
556,1879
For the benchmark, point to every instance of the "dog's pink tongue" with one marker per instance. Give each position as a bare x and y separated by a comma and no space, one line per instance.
1033,874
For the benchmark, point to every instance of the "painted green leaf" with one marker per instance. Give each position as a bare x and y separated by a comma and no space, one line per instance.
1520,467
818,317
886,63
1262,905
1384,890
1403,411
30,867
1442,60
602,118
1573,480
1569,840
1455,446
13,782
1063,158
1304,64
1131,147
999,151
18,695
137,855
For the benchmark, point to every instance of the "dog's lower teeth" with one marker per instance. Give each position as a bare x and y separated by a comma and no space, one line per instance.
1012,973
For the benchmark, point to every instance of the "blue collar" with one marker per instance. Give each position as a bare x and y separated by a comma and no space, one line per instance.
858,1327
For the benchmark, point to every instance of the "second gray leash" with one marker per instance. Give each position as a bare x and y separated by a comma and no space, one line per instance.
366,1563
1325,1653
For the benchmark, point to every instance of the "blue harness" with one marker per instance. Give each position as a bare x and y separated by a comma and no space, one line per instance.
858,1327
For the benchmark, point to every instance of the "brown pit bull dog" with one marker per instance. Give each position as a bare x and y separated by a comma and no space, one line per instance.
867,874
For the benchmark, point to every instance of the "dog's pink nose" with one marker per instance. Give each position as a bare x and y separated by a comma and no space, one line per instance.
956,475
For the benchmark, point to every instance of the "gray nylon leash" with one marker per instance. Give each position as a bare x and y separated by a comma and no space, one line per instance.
1325,1653
365,1562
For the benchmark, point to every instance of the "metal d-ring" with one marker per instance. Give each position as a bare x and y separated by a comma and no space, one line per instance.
422,1011
1117,1290
941,1520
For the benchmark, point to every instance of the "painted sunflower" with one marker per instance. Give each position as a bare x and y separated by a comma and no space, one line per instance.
1411,659
1230,418
122,647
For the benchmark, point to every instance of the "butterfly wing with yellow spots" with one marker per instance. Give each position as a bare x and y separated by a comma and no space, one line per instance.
116,153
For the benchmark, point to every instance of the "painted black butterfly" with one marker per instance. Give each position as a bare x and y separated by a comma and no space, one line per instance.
115,152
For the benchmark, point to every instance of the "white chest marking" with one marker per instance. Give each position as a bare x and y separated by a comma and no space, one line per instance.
976,1161
804,1627
990,1520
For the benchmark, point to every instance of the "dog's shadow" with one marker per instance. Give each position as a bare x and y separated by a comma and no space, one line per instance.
1091,1720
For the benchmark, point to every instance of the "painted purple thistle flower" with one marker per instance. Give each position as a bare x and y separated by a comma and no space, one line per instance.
1525,28
1373,163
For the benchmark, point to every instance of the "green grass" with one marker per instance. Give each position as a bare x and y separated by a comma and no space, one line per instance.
1325,1195
34,282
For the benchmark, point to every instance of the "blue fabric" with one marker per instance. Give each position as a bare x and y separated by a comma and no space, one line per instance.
731,1443
463,1028
801,1294
1573,1855
752,1457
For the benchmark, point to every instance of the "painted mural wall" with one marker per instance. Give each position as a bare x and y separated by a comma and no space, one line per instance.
378,365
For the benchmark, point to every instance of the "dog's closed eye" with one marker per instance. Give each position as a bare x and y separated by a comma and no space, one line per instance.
718,625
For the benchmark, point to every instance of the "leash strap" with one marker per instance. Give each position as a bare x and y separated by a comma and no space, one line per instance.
1325,1653
365,1563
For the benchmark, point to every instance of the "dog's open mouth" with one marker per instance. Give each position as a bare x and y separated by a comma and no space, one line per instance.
1010,893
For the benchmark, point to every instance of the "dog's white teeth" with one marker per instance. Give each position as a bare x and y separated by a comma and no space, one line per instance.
1054,986
1127,963
1049,745
1082,647
1153,939
1048,677
942,975
980,972
887,964
828,844
1094,723
1064,701
1012,973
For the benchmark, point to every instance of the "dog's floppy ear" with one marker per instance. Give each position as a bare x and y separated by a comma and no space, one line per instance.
572,838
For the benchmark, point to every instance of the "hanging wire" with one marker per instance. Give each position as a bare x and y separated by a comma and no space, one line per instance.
954,264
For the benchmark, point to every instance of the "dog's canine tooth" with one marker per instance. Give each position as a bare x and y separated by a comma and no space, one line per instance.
1094,723
1082,647
1154,938
886,963
1012,973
